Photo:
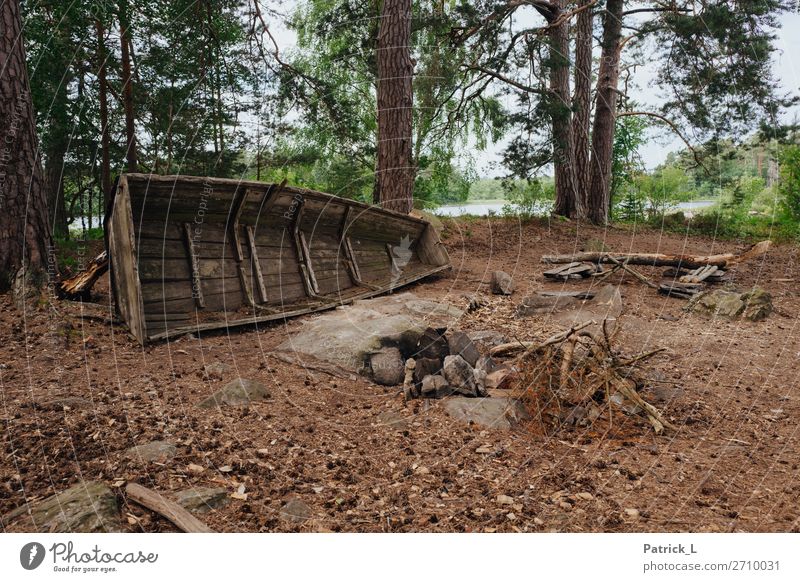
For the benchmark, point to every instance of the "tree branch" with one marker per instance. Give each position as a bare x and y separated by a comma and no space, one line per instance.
674,129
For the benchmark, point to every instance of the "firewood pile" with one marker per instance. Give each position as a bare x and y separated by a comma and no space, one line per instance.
579,377
687,276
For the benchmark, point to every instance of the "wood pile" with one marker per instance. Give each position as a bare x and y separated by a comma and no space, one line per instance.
573,270
578,376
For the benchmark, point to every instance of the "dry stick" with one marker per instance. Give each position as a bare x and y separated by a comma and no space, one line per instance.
636,274
168,509
530,347
642,356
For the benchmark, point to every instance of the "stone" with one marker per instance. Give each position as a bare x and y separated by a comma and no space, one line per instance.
502,283
497,413
295,511
500,379
606,305
753,305
388,367
435,386
632,513
202,499
392,419
153,452
505,500
240,392
460,344
460,376
432,345
486,364
89,507
346,337
426,367
215,370
487,338
542,304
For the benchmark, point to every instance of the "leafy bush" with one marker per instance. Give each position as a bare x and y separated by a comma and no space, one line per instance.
526,198
789,186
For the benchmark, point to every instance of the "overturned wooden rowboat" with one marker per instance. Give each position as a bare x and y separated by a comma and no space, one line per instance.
192,254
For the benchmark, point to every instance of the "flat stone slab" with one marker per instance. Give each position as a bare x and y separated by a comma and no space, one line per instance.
498,413
571,309
89,507
753,305
153,452
240,392
348,336
202,499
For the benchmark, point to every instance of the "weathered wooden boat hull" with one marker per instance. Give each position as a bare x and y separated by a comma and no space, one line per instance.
192,254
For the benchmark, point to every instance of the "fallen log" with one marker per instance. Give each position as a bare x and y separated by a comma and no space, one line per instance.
79,286
153,501
661,260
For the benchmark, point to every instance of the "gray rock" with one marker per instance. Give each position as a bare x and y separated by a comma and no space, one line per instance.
346,337
502,283
486,364
460,376
426,367
432,345
499,413
542,304
753,305
296,511
153,452
215,370
392,419
435,387
487,338
388,367
89,507
240,392
460,344
202,499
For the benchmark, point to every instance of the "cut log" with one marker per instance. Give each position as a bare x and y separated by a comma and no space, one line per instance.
153,501
661,260
80,286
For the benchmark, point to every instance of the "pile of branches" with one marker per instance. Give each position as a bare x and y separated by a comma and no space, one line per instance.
580,370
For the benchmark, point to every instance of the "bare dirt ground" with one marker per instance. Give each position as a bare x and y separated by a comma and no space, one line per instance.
730,387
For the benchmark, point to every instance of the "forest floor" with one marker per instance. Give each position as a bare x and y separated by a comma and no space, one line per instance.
731,389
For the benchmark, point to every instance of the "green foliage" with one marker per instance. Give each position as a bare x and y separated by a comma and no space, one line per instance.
789,187
527,198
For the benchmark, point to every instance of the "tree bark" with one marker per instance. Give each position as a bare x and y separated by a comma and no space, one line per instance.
582,107
25,237
105,138
395,171
561,113
605,116
127,86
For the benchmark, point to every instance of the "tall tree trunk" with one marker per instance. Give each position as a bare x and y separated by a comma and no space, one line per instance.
561,113
605,115
395,179
105,138
127,86
25,237
582,106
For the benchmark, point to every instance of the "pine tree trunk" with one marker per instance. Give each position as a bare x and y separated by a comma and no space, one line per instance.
127,87
395,173
105,139
605,116
25,237
582,107
561,113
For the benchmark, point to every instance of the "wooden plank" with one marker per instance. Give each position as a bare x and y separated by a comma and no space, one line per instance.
124,272
256,264
197,289
307,262
238,205
148,498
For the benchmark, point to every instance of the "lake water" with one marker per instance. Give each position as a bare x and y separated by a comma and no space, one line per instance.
483,209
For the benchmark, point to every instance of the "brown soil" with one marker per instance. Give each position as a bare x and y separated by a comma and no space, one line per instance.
730,387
